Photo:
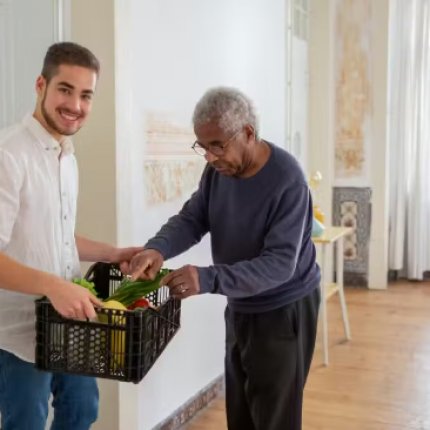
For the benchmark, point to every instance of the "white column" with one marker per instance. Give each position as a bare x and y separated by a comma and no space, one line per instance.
378,251
321,99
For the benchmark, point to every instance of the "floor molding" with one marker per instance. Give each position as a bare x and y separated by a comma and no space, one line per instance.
190,408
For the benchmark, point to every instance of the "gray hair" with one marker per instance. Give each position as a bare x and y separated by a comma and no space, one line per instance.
229,107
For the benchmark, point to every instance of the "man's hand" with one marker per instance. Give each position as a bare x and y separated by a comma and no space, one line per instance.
183,282
71,300
145,265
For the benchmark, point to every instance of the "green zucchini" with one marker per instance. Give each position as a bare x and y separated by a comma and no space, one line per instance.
129,291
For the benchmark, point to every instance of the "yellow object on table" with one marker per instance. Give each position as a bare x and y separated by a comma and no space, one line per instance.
319,214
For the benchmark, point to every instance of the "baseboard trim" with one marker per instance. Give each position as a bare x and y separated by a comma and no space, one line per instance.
190,408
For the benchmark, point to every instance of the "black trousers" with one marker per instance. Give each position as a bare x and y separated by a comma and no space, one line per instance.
267,360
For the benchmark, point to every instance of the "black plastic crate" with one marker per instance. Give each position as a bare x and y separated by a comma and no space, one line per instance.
121,345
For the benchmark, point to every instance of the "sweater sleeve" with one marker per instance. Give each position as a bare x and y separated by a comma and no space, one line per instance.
278,259
186,229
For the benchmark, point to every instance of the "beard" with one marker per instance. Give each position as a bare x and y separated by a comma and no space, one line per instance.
52,124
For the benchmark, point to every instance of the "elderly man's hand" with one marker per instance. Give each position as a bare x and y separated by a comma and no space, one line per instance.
123,256
146,264
183,282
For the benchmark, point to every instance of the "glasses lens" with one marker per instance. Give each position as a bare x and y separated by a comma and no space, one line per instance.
213,149
198,149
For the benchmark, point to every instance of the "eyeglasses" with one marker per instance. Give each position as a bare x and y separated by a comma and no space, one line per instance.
216,149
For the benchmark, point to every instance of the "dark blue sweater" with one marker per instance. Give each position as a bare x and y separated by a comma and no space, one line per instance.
260,232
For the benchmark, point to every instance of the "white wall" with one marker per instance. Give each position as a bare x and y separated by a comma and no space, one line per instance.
22,47
158,57
179,49
298,82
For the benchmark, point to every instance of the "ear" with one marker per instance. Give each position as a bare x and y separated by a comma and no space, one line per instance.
40,84
250,131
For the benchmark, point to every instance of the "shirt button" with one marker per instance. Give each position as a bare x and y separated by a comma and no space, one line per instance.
67,244
65,217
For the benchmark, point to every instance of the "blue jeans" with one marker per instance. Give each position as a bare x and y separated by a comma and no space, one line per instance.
25,391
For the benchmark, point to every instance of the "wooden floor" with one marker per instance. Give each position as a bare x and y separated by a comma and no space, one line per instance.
380,380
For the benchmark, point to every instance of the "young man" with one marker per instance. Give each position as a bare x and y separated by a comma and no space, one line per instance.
39,252
254,200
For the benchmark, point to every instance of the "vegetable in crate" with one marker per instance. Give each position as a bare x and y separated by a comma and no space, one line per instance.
139,303
142,303
117,337
128,294
113,304
130,291
86,284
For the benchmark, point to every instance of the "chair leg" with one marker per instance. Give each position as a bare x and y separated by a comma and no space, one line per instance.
324,306
339,281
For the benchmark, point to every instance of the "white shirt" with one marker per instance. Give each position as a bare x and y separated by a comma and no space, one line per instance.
38,195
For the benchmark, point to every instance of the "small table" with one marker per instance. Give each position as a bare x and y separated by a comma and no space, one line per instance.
332,235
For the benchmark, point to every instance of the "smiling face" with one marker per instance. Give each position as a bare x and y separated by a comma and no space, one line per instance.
64,102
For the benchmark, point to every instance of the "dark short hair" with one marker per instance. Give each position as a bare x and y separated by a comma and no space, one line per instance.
68,53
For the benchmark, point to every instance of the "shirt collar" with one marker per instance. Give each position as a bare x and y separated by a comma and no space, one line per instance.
45,139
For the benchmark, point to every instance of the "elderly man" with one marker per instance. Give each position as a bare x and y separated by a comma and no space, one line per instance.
254,200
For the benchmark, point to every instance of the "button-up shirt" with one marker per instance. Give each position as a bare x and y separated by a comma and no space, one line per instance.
38,195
